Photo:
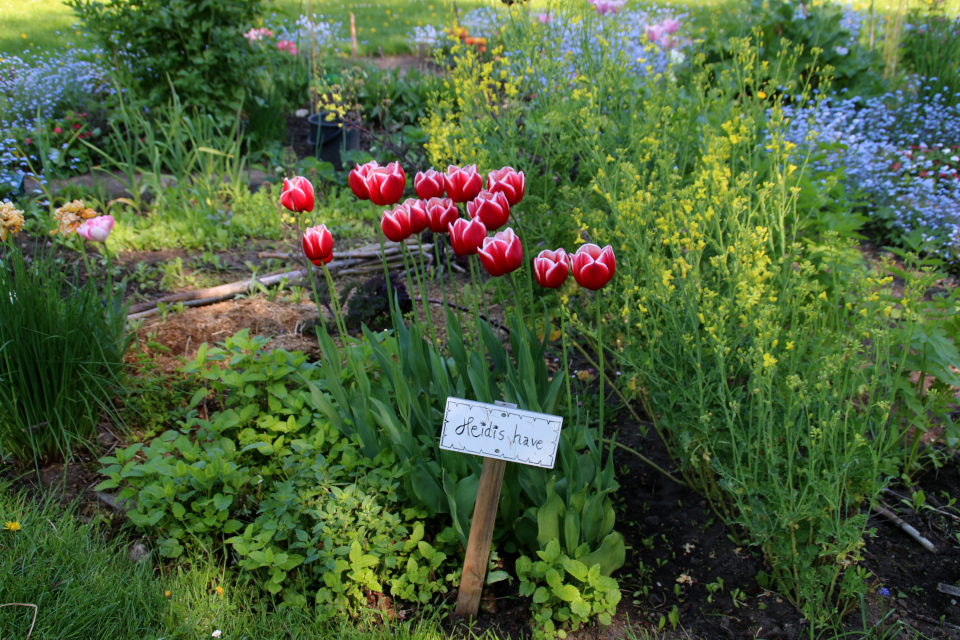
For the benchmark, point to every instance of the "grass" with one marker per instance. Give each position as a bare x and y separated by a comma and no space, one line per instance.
85,587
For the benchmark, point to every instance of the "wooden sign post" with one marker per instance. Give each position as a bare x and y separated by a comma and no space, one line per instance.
500,433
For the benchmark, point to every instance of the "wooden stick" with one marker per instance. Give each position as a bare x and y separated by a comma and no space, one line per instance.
353,34
909,530
481,535
232,288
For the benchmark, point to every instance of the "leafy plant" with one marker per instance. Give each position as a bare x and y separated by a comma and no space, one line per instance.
196,48
566,591
61,356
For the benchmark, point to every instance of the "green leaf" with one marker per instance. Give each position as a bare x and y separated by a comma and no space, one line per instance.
541,595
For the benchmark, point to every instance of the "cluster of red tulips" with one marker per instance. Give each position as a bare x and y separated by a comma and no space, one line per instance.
489,210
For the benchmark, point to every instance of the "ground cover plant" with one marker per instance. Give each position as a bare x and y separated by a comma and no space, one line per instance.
720,242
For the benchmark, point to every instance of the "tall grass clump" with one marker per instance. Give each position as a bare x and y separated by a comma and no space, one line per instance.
61,351
763,349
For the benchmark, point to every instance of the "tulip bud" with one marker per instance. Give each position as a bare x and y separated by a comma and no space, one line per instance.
297,194
551,268
318,244
440,213
509,182
383,185
463,184
593,267
502,253
466,236
429,184
396,224
417,212
96,229
492,209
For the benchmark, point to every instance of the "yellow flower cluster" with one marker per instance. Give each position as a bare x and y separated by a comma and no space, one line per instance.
11,220
70,216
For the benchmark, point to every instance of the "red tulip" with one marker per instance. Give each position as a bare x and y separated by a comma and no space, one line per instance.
396,224
383,186
358,179
429,184
318,244
440,213
297,194
502,253
463,184
509,182
551,268
417,212
492,209
594,267
467,236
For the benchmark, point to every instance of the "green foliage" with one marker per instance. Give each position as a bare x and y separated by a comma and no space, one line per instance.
61,356
566,591
811,33
196,46
931,49
298,502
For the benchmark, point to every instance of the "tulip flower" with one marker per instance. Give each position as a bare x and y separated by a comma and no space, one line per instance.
318,244
297,194
604,7
654,33
670,25
509,182
417,212
440,213
551,268
493,209
467,236
96,229
502,253
463,184
594,267
429,184
396,224
383,186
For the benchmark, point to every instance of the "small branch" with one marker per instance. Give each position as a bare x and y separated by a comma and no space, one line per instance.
20,604
452,305
647,460
909,530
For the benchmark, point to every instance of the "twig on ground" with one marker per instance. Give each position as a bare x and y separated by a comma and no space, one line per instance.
20,604
909,530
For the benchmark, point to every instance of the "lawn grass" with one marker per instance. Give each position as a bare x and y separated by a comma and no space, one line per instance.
382,25
86,588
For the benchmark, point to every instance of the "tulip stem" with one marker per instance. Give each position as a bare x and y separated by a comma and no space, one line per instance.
423,292
437,238
337,309
453,284
410,288
602,374
566,364
476,304
516,290
486,309
386,278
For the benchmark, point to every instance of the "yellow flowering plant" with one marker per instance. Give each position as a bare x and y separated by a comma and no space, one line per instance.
754,337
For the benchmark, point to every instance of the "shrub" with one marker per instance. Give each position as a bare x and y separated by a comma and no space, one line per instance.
197,47
61,360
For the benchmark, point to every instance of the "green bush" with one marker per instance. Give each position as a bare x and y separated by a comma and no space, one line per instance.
61,356
931,49
197,46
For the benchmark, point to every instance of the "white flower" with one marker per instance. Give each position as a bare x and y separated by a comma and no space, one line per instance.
216,634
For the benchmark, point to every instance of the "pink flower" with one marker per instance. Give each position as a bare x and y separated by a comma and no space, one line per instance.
255,35
57,130
96,229
544,18
289,46
654,33
670,25
604,7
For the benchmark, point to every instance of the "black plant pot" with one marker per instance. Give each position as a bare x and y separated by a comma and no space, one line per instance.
330,139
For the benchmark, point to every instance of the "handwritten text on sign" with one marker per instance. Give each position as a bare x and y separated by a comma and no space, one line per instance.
499,432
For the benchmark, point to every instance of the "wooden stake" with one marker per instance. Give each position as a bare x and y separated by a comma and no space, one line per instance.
481,535
353,34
